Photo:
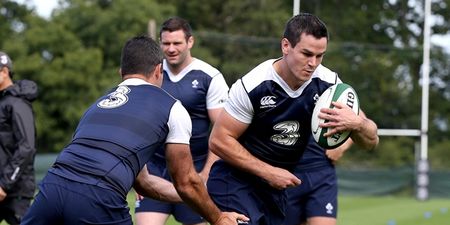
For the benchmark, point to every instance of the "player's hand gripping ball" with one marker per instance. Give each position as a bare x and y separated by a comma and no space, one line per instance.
343,93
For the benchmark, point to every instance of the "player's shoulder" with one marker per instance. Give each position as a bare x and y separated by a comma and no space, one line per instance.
205,67
262,72
325,74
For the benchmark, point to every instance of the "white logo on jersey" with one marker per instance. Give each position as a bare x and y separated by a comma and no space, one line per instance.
329,207
268,101
195,84
115,99
289,133
316,97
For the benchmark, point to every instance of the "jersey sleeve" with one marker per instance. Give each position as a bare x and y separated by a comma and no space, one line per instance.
180,125
327,75
217,92
238,104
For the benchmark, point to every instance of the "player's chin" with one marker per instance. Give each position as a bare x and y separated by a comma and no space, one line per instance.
306,75
172,59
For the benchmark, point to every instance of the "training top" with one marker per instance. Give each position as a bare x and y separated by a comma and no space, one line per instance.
279,118
199,87
119,133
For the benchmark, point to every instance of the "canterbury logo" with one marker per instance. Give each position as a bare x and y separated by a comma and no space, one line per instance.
268,101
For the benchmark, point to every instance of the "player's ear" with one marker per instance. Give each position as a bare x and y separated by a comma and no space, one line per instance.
158,73
159,69
285,45
190,41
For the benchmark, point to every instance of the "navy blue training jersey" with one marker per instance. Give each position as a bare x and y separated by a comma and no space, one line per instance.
314,157
195,88
116,137
279,118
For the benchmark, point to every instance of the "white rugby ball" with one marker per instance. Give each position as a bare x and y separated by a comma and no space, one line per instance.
343,93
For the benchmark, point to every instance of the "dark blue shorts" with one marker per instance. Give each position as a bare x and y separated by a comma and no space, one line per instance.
235,190
316,196
180,211
63,201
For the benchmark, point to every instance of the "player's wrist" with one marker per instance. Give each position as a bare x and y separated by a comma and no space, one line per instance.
360,123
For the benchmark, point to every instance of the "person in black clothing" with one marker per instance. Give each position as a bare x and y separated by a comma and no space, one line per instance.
17,143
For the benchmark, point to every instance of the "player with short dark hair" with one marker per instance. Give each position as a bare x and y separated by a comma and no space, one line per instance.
117,135
266,125
202,90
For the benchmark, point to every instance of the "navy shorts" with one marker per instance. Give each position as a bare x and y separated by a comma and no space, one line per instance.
316,196
235,190
180,211
63,201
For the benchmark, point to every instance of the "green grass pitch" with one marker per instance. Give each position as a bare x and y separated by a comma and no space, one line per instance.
378,211
382,211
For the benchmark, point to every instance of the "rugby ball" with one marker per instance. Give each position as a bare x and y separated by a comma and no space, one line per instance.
343,93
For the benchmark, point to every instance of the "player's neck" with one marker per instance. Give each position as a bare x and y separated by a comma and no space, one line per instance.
281,68
176,69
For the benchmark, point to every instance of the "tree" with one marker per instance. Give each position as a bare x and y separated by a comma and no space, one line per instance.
377,47
238,34
74,56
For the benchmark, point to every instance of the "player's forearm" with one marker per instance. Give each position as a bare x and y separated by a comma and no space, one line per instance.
209,162
366,135
230,150
193,192
156,187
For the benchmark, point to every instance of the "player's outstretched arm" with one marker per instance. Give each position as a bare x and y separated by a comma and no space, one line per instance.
191,188
155,187
224,143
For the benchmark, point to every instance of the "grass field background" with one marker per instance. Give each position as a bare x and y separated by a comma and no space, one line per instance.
384,211
379,211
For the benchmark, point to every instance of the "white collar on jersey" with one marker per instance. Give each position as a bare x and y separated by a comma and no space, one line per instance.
182,73
134,82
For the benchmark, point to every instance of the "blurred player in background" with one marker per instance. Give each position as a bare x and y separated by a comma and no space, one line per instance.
17,143
202,90
266,125
116,136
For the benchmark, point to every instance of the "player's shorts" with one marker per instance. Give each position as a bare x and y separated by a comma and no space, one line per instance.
63,201
316,196
234,190
180,211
